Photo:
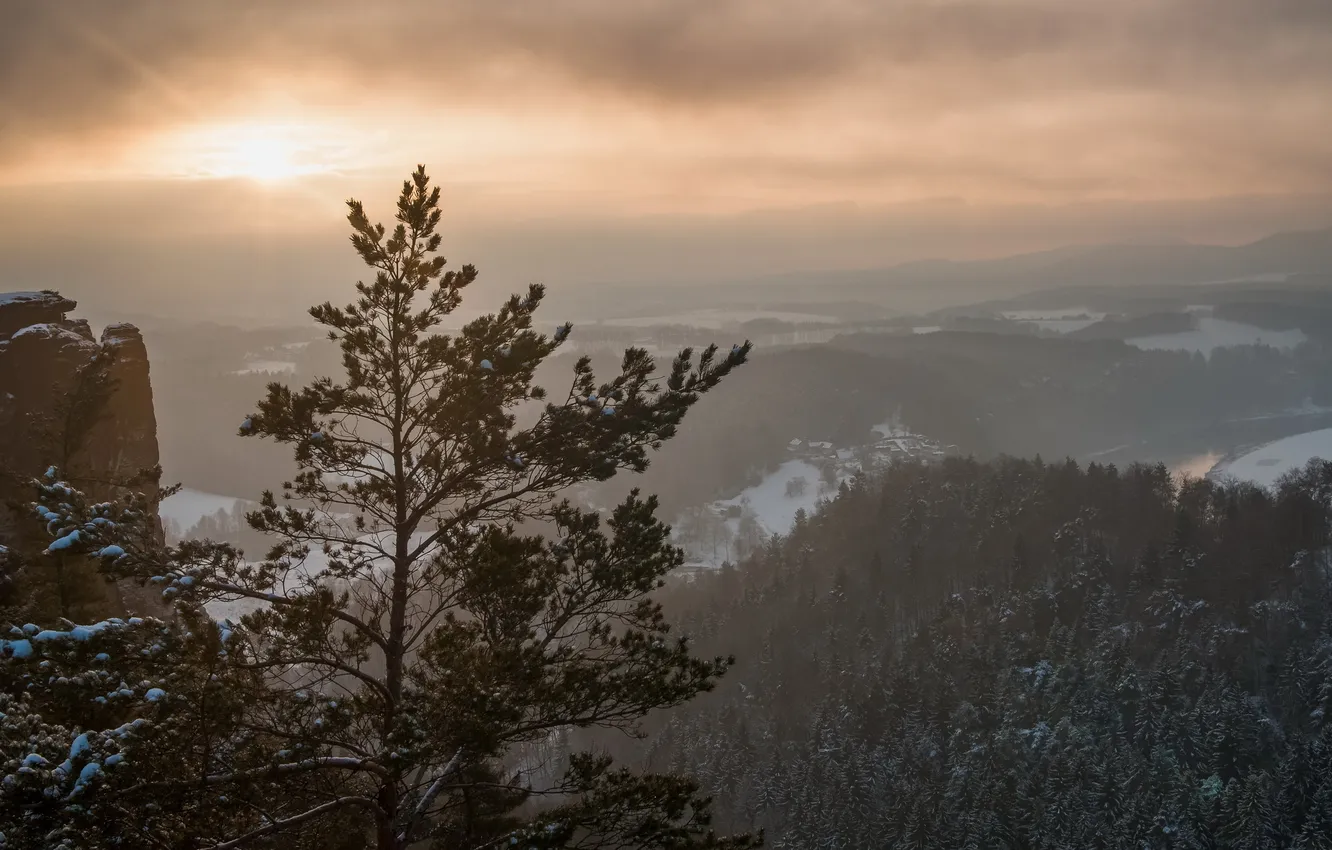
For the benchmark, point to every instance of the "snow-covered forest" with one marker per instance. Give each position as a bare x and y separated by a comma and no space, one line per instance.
1020,654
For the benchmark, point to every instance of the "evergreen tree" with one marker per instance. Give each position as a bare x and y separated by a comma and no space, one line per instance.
432,611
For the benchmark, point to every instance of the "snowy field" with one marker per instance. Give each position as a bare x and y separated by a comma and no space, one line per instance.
926,329
716,319
772,508
1212,334
1266,464
189,506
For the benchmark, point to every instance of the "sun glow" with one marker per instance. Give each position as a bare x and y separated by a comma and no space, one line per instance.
260,158
263,152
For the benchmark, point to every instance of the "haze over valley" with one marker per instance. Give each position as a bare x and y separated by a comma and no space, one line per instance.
666,425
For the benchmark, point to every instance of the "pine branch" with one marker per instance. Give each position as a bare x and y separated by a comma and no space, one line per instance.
335,762
276,599
355,672
279,825
354,765
430,794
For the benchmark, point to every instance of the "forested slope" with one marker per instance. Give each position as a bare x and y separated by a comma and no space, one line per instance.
1024,655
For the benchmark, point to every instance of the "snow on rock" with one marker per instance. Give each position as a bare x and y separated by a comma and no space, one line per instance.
1266,464
29,297
155,694
47,329
19,310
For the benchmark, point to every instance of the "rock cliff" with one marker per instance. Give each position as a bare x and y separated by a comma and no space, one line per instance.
80,403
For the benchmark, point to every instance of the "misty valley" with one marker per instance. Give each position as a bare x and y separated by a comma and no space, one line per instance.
1044,570
662,425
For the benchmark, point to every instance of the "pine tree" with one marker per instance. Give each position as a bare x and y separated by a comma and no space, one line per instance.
433,610
489,637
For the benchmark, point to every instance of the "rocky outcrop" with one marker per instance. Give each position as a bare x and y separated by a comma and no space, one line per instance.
20,310
81,403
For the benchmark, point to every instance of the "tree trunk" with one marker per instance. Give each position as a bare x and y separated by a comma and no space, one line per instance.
387,837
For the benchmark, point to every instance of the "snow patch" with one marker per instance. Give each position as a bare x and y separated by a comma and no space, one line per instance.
773,509
27,297
1266,464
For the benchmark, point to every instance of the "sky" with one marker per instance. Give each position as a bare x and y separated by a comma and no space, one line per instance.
646,140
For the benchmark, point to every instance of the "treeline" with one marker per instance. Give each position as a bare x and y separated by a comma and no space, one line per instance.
1020,654
1024,395
989,394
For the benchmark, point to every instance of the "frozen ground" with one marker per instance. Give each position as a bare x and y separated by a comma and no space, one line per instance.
1212,334
1266,464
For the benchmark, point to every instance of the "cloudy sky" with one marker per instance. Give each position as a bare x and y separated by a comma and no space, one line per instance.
600,138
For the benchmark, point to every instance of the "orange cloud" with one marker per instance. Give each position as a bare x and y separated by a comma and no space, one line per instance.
673,105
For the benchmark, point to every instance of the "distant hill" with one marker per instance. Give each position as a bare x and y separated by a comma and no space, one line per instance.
933,284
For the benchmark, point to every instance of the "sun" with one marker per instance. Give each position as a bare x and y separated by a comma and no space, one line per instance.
263,152
257,151
261,158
